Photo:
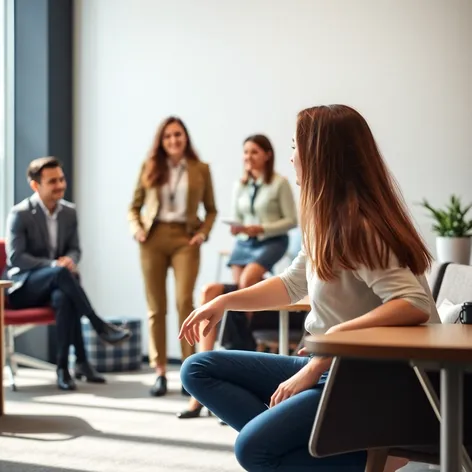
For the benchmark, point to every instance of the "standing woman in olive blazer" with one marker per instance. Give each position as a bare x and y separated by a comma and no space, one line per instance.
163,219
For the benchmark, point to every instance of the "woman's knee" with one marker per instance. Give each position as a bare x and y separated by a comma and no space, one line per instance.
201,365
211,291
250,449
193,368
252,275
242,450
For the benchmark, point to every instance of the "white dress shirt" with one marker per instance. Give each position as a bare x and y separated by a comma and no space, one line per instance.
51,223
177,185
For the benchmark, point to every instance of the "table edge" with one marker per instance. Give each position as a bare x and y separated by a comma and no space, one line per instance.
346,349
294,307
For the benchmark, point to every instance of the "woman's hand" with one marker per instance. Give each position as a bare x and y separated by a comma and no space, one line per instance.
303,380
253,230
335,329
212,312
303,352
197,240
140,236
236,229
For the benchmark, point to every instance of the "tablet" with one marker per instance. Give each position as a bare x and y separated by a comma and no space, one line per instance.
231,222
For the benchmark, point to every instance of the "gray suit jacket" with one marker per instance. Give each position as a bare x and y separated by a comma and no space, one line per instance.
27,239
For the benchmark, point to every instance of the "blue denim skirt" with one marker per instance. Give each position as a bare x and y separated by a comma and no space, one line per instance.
265,253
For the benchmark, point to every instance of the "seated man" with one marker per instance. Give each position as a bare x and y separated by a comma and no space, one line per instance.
42,255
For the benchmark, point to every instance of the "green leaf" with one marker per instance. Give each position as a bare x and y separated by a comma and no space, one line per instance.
450,222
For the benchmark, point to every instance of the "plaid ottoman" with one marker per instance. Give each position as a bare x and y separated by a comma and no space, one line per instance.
127,356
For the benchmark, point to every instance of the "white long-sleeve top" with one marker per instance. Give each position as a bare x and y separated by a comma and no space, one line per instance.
354,293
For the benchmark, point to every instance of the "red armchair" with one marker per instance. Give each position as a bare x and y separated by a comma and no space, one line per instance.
18,322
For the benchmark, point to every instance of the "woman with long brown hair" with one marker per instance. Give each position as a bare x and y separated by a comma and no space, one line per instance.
172,184
362,265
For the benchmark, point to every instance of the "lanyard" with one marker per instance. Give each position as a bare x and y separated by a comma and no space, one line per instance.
173,190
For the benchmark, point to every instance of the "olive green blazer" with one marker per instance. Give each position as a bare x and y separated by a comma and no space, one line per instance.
145,203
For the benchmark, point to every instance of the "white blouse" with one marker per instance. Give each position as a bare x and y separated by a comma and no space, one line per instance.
174,211
354,293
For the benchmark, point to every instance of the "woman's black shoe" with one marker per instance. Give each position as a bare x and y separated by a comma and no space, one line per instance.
87,371
187,414
64,380
160,387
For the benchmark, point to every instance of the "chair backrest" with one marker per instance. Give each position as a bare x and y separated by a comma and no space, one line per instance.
3,256
435,277
372,403
432,275
368,404
456,284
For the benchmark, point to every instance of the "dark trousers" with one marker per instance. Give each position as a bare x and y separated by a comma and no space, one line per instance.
60,288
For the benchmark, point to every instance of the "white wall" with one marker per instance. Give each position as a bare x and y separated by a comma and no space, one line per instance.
230,69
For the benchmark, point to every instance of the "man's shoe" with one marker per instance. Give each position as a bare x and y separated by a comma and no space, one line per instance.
87,371
64,379
112,334
159,388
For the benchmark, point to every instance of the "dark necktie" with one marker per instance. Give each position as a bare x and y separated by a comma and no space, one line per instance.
254,190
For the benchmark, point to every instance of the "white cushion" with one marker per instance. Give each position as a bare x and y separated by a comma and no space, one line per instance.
448,312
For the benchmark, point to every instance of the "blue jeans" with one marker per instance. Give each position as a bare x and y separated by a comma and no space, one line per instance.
237,385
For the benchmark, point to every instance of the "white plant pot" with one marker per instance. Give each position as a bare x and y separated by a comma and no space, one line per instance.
453,249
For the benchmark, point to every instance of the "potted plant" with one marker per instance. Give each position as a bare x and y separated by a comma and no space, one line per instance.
454,231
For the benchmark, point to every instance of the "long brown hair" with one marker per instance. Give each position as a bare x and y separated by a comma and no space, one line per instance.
264,143
352,211
156,169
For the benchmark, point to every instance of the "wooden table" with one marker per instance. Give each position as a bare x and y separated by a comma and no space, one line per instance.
4,284
447,347
284,318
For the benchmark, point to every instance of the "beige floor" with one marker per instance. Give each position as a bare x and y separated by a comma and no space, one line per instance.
108,428
116,427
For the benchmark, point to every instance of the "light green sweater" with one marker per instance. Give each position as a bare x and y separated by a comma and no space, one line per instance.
274,207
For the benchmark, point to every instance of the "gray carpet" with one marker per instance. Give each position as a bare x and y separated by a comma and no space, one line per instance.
115,427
